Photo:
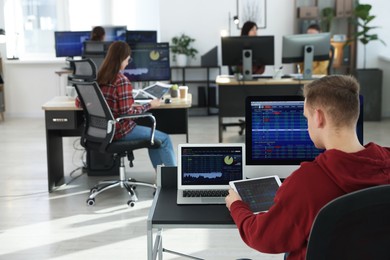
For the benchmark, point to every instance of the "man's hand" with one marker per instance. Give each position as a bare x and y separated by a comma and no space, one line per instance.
155,103
232,197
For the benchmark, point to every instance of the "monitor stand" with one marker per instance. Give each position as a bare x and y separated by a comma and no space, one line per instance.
247,64
308,62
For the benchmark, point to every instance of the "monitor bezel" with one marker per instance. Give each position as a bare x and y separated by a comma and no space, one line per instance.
148,33
78,54
150,46
110,37
248,132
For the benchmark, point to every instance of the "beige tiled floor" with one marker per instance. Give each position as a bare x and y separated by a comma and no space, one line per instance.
35,224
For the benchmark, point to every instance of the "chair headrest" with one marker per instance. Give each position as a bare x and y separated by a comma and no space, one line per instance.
83,70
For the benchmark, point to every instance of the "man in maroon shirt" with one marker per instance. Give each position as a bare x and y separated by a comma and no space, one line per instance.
332,109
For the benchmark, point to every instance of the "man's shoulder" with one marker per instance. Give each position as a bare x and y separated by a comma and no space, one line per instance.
306,173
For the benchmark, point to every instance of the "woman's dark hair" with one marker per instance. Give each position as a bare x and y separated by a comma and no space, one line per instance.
116,54
98,33
247,27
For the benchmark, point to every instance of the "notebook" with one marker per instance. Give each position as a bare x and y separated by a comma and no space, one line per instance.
258,193
207,169
154,91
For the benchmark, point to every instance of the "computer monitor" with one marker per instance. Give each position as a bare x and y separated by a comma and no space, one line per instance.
136,37
150,62
306,48
210,58
247,51
115,33
277,131
70,44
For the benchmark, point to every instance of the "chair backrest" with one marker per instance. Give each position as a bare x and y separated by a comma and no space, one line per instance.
82,70
353,226
99,128
96,51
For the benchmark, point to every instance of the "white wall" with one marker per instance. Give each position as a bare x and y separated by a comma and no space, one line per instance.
204,20
380,8
28,85
201,19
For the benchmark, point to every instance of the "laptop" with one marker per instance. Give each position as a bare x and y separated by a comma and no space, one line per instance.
205,170
154,91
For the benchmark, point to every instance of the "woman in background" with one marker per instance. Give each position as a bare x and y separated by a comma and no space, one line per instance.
250,29
98,34
117,91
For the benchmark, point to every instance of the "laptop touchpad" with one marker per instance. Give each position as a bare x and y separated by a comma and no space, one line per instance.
214,200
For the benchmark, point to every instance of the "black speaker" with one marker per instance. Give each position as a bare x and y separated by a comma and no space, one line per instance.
346,54
202,96
212,96
101,164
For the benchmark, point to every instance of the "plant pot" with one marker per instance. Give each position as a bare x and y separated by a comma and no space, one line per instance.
181,60
174,93
371,89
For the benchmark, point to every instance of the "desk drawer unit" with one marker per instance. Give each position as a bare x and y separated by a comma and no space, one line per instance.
58,120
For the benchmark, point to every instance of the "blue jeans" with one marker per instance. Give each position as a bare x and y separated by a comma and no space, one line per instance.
162,155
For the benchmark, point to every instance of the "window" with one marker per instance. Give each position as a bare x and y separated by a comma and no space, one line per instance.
30,25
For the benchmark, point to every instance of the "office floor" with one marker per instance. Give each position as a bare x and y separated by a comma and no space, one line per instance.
35,224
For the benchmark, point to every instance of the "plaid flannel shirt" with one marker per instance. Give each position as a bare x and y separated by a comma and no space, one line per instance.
120,99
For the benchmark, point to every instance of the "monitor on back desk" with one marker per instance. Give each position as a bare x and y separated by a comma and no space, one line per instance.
247,51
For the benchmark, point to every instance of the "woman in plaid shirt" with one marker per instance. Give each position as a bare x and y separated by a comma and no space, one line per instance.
117,91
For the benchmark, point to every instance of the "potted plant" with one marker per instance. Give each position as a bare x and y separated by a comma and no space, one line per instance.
364,30
370,79
174,91
327,18
181,49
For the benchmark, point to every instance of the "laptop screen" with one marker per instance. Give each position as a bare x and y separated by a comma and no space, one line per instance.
210,164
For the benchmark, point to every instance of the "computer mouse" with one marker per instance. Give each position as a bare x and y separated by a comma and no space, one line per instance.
168,101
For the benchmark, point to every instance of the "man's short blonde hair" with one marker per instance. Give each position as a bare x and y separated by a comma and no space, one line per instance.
337,95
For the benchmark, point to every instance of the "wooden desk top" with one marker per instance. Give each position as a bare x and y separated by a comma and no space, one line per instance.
68,103
225,80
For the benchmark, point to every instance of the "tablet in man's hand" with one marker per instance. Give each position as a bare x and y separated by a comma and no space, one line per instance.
258,193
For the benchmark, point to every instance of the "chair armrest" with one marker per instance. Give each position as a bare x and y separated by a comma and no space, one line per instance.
135,116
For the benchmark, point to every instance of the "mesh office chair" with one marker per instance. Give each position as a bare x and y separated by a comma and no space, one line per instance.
354,226
99,129
96,51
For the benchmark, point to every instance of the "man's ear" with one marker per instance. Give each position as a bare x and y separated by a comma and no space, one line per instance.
319,118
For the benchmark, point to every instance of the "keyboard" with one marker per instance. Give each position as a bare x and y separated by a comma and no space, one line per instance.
205,193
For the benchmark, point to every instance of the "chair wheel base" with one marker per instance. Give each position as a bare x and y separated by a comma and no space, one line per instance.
90,202
131,203
93,190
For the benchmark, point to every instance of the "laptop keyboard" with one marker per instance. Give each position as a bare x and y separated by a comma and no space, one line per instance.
205,193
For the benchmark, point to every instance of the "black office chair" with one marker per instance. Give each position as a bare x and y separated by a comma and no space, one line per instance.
99,129
354,226
96,51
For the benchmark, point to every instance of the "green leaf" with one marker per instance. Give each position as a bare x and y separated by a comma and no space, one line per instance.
182,45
